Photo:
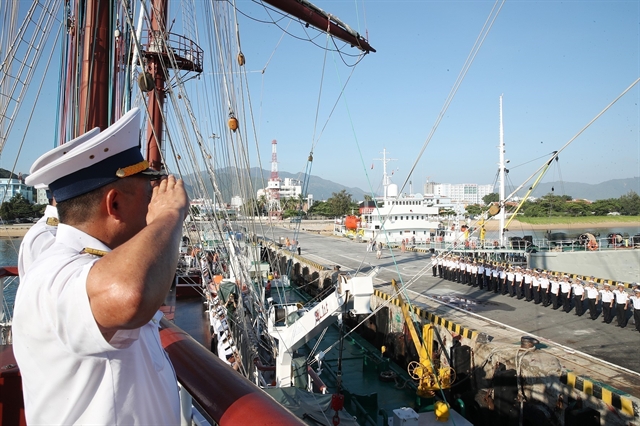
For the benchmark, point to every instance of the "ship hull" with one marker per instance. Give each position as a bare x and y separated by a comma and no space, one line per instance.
617,265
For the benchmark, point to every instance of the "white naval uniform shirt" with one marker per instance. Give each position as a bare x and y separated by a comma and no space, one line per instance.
37,239
606,296
622,296
592,292
544,283
565,286
636,301
510,276
70,373
578,289
555,286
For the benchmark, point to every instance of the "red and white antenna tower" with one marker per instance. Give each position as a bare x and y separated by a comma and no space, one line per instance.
275,192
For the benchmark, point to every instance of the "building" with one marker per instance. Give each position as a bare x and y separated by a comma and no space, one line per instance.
466,193
10,187
281,189
41,196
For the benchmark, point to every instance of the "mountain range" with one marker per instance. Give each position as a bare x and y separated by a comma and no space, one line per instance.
614,188
321,189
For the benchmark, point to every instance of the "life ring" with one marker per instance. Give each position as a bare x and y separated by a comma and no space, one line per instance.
439,239
473,244
592,245
495,243
428,240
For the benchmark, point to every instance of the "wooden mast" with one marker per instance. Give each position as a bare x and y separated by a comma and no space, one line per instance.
94,83
157,40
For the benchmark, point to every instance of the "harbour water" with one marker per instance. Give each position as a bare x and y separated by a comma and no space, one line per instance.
9,257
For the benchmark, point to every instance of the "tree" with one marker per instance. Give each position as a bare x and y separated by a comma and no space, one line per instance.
18,207
341,203
603,207
320,208
368,197
494,197
473,210
630,204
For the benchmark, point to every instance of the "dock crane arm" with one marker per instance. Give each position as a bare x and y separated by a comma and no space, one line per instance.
431,377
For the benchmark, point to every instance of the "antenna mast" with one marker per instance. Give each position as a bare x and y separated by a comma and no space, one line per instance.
502,179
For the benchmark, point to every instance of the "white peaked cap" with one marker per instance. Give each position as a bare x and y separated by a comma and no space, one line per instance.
54,154
99,160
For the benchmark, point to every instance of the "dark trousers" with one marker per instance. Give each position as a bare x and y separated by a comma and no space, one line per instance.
606,312
544,296
527,292
520,289
555,301
566,302
579,305
440,270
621,314
636,318
510,287
434,269
593,309
495,284
536,294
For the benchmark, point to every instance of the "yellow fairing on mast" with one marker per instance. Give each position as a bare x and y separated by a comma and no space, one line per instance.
431,377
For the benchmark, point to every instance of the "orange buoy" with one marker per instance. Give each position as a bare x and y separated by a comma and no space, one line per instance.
233,123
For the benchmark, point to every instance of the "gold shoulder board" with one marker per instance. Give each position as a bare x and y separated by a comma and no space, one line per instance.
52,221
94,252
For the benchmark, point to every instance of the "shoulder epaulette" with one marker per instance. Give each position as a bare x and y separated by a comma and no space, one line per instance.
52,221
94,252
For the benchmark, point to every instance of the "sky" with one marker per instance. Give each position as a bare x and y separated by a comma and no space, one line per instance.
556,63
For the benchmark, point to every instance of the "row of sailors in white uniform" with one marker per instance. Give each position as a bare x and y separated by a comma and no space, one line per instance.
552,284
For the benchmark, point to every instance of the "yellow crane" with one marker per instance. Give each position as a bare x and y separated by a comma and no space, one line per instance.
428,372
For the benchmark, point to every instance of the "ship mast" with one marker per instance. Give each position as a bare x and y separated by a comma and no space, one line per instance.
94,83
502,179
157,37
385,177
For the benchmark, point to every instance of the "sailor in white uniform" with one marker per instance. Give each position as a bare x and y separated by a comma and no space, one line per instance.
43,233
622,304
635,299
86,314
